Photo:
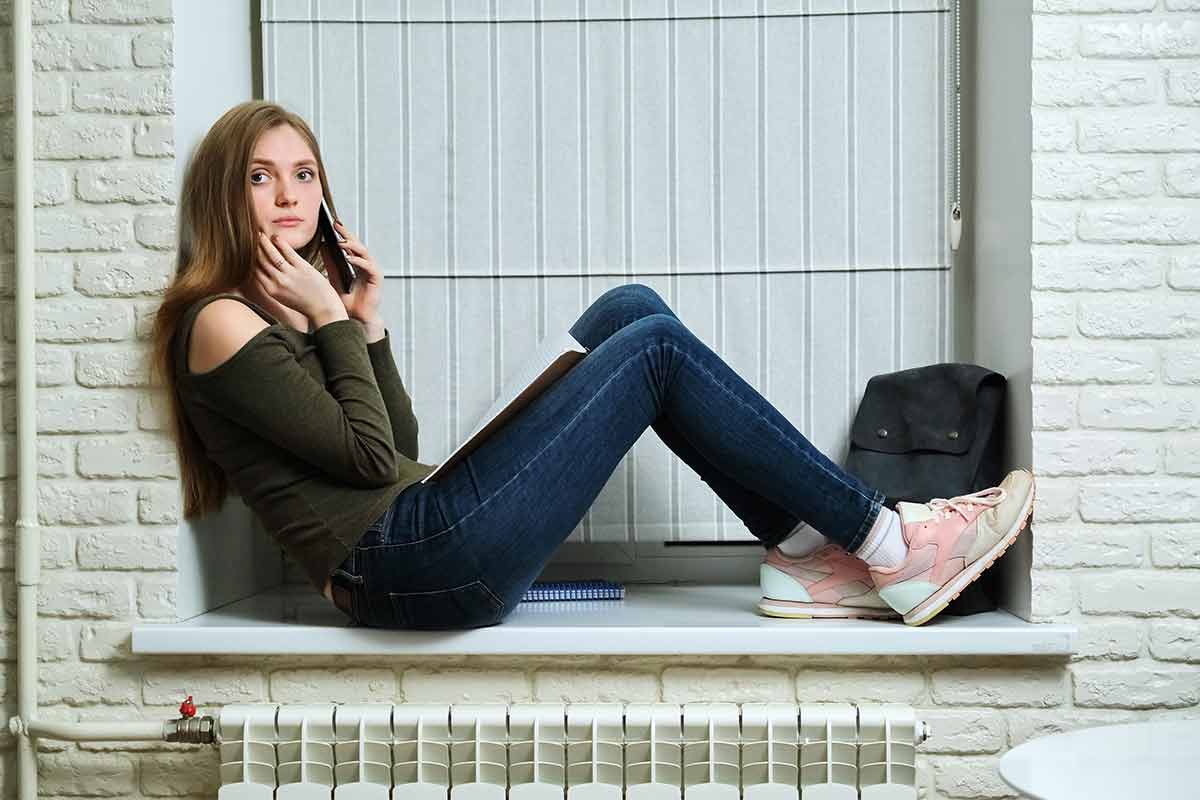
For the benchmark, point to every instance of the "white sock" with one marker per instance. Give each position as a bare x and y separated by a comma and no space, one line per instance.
803,539
884,545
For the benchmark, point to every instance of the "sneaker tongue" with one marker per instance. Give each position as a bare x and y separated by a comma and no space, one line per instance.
913,512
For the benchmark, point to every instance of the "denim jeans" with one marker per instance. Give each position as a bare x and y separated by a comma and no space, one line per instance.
462,551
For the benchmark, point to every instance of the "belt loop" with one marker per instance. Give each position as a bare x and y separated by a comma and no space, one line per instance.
343,578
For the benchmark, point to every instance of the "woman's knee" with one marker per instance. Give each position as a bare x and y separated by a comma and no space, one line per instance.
635,300
657,328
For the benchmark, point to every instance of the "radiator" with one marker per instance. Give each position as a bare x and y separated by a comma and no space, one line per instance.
568,751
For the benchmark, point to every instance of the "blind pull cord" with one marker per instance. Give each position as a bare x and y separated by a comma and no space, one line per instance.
956,223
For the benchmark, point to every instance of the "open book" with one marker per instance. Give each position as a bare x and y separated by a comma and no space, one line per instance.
552,358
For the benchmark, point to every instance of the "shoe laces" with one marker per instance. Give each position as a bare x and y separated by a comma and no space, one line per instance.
943,507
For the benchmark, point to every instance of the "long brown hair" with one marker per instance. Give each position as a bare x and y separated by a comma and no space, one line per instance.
216,252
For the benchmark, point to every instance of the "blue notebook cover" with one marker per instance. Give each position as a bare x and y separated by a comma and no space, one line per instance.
574,590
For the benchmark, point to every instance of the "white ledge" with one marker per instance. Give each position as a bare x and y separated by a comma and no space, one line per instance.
652,619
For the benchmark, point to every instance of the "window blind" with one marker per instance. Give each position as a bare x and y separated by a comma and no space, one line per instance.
781,171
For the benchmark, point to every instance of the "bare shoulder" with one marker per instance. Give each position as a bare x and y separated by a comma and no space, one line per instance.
220,330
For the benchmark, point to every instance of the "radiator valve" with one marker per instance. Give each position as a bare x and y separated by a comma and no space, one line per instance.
201,730
188,727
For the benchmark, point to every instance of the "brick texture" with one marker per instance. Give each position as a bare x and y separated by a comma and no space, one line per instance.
1116,288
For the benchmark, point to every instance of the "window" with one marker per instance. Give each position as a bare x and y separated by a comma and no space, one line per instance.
781,178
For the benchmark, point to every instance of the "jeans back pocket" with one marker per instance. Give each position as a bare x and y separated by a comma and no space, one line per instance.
472,605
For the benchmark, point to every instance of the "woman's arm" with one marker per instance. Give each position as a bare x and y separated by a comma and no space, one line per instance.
391,386
342,427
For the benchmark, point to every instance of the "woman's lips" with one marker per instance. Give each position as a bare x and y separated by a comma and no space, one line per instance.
289,223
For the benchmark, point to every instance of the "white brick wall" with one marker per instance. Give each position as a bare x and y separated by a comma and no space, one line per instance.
104,228
1116,277
1116,394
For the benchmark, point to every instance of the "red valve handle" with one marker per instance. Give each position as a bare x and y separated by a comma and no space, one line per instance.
187,708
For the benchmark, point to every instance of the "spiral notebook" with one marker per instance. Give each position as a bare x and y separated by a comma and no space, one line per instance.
574,590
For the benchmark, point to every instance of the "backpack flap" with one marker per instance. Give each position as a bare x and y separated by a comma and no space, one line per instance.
931,408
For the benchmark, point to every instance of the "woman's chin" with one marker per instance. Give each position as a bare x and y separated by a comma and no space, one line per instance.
297,237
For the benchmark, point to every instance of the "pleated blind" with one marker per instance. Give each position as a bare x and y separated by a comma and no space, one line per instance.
781,171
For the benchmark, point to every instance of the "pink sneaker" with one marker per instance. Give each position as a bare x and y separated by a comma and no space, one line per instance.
950,544
828,583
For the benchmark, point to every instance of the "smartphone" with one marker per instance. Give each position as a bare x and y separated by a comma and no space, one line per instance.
333,252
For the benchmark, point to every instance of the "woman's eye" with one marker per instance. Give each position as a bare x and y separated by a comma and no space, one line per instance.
263,174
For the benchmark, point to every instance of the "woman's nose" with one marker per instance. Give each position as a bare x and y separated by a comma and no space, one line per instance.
285,196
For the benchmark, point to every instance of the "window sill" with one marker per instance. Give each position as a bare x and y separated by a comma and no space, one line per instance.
652,619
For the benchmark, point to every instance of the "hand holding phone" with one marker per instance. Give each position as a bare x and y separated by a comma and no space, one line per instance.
333,251
361,292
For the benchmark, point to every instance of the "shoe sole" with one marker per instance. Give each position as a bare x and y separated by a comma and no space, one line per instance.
794,609
933,605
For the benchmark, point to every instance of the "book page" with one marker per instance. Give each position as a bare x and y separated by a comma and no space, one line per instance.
551,358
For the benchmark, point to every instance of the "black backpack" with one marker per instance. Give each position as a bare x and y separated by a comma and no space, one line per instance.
933,431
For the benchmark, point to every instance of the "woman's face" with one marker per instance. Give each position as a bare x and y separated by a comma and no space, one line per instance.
284,184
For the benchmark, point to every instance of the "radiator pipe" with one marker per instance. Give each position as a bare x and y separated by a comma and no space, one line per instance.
188,730
27,535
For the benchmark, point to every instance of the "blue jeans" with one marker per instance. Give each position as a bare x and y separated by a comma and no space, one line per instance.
462,551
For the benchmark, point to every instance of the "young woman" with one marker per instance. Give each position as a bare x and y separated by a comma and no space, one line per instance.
283,390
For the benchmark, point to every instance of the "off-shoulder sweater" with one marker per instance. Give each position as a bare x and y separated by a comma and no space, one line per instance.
315,431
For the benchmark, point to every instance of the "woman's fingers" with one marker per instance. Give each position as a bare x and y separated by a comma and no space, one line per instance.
351,241
366,265
356,251
269,256
280,249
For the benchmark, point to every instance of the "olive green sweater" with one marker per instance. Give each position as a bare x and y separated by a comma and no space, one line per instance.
314,431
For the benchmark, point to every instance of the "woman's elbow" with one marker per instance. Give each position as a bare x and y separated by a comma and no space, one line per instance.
380,469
